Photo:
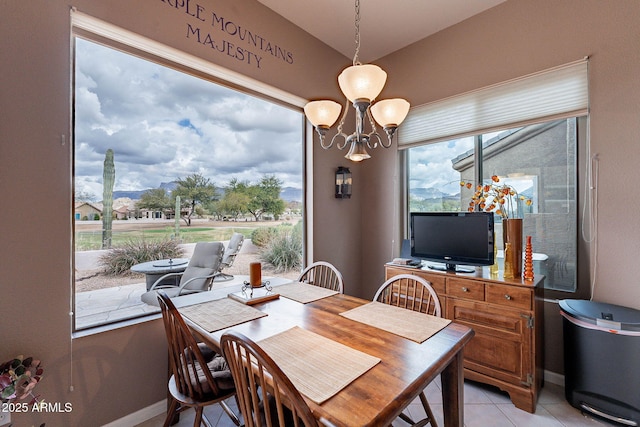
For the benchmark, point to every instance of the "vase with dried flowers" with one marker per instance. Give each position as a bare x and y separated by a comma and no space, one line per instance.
504,200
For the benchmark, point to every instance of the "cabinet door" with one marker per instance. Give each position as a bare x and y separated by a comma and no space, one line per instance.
501,347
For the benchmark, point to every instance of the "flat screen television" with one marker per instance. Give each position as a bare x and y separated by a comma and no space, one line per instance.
452,239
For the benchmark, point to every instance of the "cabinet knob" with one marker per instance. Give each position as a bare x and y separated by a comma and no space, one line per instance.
465,289
507,297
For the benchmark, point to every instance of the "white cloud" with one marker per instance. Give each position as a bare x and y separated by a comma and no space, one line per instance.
431,165
163,124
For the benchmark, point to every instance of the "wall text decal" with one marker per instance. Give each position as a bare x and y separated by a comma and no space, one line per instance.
228,37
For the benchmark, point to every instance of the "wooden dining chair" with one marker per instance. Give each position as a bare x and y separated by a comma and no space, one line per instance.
413,293
196,381
266,396
323,274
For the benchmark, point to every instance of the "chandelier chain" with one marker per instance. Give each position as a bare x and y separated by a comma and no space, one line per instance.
357,24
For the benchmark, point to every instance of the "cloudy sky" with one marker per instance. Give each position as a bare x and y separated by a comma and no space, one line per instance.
163,125
430,165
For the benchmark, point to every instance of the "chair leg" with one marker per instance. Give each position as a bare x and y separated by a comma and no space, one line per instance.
197,421
430,419
171,413
230,413
427,409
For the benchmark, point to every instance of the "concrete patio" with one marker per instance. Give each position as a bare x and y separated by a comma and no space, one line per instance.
111,304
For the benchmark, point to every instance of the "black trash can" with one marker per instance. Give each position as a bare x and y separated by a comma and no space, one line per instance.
602,359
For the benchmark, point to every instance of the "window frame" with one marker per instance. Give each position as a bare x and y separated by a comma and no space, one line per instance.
583,275
97,31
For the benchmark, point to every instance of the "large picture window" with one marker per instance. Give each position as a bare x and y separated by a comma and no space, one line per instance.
163,160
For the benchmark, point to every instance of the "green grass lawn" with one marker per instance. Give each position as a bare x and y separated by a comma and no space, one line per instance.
92,240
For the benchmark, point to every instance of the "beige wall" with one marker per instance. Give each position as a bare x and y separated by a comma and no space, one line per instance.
513,39
118,372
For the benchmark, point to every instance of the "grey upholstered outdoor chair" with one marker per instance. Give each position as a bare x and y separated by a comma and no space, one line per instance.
203,266
230,253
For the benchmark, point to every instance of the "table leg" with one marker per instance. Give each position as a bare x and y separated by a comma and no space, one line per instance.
453,392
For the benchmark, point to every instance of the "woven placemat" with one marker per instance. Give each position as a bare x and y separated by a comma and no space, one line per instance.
406,323
317,366
221,313
303,292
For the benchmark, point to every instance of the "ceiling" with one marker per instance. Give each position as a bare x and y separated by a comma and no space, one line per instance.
385,26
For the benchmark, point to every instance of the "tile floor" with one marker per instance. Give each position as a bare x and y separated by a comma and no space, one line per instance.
484,406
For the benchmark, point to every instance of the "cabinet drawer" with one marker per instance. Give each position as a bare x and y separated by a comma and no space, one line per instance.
466,289
437,281
510,296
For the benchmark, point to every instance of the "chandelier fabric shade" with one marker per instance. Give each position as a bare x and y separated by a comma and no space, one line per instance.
361,85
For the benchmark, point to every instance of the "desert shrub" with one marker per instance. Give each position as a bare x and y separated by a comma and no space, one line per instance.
284,250
262,235
120,259
297,230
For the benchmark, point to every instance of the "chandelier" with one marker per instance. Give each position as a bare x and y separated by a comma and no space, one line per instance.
360,85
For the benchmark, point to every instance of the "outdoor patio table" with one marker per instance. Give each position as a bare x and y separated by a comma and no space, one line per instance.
158,268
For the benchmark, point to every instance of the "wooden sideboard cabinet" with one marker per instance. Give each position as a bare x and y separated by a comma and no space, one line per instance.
507,317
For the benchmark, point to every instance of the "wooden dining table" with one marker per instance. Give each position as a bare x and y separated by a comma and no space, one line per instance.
378,396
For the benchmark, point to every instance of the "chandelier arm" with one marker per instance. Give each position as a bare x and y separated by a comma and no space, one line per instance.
322,138
344,116
387,145
345,137
371,121
375,144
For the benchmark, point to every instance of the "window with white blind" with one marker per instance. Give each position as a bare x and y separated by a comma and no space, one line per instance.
446,143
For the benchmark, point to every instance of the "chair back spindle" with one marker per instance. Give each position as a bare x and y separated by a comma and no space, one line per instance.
323,274
266,396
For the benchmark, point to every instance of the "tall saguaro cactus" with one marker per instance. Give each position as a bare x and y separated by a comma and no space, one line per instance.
177,218
108,178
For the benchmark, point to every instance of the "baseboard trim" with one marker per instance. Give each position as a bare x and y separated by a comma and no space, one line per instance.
554,378
140,416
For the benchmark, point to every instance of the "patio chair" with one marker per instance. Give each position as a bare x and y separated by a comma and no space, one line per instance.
413,293
196,380
230,253
265,394
323,274
197,277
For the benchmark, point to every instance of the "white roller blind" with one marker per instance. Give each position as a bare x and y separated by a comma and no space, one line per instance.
559,92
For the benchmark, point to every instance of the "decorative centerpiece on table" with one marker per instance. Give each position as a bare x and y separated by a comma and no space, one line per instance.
502,199
18,378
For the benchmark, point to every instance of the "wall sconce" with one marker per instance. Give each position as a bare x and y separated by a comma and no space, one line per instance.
343,183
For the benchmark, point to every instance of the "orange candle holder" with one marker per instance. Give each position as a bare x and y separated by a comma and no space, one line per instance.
255,274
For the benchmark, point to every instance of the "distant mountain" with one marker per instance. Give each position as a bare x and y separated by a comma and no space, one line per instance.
288,194
169,186
431,193
133,195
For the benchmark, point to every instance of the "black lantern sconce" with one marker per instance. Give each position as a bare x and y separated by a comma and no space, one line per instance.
343,183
